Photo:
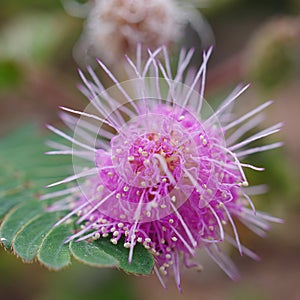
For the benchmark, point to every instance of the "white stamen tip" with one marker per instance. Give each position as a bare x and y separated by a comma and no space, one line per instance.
127,245
114,241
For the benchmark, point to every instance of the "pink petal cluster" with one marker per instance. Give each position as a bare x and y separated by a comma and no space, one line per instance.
161,168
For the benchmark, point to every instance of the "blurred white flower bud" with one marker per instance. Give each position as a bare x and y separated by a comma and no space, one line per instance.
115,27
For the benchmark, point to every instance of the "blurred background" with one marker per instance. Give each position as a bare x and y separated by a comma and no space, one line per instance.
257,41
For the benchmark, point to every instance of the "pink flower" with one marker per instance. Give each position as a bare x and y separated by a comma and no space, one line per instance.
156,165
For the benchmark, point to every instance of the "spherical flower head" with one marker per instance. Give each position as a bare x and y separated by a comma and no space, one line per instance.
156,165
151,23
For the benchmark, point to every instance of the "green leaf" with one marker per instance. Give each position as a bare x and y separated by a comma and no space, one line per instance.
28,229
29,239
17,218
8,202
102,253
91,254
142,262
25,168
54,253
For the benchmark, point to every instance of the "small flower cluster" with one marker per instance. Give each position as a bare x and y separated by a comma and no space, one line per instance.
162,171
115,27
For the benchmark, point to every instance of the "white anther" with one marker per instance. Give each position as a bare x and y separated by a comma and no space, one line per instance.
96,236
114,241
131,158
100,188
127,245
162,269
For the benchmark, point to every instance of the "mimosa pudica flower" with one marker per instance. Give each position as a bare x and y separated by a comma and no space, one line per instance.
156,165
